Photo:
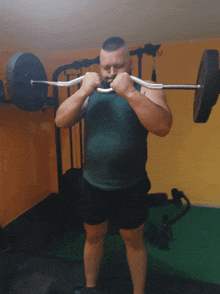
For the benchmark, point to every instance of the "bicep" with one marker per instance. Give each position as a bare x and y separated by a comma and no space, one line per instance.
83,110
84,107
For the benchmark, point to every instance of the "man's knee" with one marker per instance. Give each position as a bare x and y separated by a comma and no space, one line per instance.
133,237
96,233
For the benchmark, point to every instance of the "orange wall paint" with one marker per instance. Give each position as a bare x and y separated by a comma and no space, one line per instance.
27,160
28,152
187,159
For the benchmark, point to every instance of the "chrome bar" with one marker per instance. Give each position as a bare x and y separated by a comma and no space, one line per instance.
154,86
181,87
60,84
135,79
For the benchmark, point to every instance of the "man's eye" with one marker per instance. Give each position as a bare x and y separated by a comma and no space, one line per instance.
119,65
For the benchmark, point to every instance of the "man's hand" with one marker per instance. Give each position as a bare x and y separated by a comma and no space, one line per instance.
123,85
90,82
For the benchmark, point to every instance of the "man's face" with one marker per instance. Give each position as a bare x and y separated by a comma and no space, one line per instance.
114,63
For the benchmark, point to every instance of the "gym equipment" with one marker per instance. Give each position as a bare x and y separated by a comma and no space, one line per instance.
27,84
2,92
20,69
4,240
206,96
162,236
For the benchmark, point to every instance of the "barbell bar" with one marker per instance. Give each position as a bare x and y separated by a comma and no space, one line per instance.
135,79
27,83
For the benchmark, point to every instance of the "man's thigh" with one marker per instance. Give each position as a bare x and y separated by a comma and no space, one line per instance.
94,204
133,208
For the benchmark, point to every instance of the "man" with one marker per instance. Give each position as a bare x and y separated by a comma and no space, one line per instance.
115,181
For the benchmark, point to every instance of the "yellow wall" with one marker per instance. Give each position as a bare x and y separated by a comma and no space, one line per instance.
186,159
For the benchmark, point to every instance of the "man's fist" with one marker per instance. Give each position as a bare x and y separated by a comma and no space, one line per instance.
123,84
90,82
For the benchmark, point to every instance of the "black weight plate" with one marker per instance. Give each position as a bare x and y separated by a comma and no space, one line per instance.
208,77
21,68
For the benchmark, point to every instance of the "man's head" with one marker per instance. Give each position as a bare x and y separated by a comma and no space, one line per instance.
114,59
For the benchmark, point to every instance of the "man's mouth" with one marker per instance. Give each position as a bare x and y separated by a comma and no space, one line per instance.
110,80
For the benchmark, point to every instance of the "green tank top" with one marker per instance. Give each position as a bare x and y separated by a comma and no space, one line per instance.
115,143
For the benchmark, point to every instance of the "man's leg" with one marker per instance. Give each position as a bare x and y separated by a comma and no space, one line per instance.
94,251
136,257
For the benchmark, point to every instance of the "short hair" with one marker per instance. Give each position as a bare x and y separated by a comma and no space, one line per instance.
113,44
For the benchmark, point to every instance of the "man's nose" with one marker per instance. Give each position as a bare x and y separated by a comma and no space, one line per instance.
112,71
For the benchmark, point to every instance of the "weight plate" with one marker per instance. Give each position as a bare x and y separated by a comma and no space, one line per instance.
208,77
21,68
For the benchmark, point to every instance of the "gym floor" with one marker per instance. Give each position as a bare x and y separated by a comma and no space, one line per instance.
41,262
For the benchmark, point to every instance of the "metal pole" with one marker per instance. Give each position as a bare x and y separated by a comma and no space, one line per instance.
140,65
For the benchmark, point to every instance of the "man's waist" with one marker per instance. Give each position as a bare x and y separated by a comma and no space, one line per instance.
113,183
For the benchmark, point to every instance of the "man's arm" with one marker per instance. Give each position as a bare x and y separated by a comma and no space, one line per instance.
149,105
71,110
74,107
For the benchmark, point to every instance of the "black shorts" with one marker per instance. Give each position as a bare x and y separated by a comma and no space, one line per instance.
128,207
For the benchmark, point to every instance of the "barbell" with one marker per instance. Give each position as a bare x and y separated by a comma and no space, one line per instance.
27,84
